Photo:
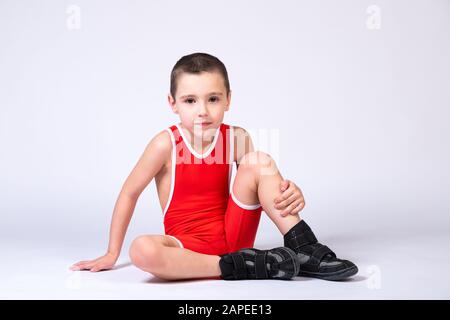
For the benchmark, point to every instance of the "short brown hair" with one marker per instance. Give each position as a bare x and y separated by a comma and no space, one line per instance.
197,63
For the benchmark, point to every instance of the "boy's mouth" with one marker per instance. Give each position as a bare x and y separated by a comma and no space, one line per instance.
202,124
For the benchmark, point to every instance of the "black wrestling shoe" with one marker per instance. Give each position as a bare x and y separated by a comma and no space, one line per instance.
316,260
249,263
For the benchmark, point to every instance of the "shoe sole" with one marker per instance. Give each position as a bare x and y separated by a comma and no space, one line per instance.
331,276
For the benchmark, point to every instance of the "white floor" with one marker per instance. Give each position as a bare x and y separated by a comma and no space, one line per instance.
390,268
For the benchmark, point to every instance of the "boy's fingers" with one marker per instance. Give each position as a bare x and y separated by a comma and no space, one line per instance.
75,267
288,193
86,266
279,198
79,266
298,208
284,184
290,207
98,268
83,265
86,262
286,202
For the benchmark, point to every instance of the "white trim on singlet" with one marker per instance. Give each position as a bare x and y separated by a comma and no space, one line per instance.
179,242
195,153
172,178
244,206
240,204
231,160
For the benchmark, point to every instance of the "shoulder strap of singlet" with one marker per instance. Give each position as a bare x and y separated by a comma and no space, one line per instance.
176,134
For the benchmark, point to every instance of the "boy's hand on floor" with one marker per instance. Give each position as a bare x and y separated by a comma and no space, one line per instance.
104,262
291,200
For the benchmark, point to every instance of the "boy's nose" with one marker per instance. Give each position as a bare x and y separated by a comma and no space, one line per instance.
202,109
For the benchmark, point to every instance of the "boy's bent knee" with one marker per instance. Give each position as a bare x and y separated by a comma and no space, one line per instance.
258,161
145,253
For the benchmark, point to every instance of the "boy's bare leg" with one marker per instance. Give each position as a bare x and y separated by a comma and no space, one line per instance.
258,180
161,256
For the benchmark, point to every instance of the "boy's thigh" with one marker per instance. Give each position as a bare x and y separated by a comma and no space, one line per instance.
244,189
157,239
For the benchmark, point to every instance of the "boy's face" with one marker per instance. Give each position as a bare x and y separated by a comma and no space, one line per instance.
200,98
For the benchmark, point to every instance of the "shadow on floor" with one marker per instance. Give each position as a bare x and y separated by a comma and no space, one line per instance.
122,265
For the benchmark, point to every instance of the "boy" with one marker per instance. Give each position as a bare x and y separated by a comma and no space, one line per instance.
210,229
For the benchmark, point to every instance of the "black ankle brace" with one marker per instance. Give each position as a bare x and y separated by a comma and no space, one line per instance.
299,235
316,260
249,263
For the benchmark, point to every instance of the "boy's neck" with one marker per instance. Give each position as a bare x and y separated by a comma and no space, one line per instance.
206,143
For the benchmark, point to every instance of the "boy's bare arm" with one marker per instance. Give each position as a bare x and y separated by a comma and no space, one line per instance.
243,143
147,167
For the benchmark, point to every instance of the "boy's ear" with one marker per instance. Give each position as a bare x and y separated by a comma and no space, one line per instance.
227,107
172,103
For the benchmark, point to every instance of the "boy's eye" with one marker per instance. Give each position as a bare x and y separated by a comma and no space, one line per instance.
212,99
